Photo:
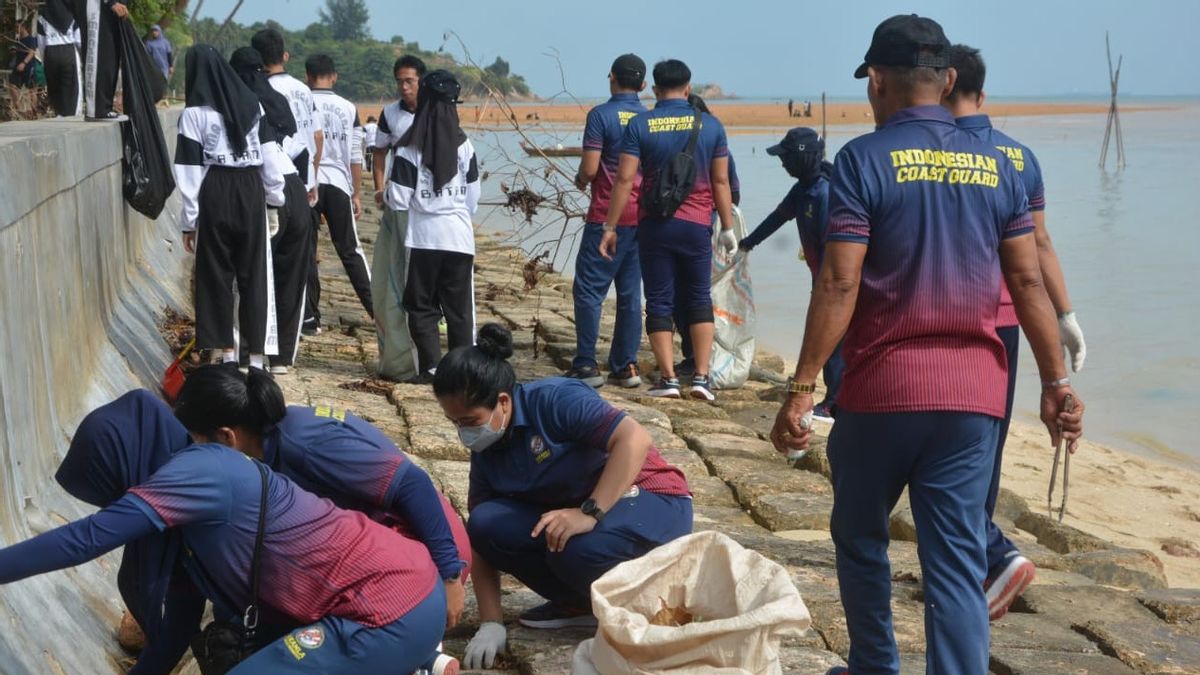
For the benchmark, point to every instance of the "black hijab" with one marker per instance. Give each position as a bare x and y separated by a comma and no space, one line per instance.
117,446
435,130
211,82
58,13
248,64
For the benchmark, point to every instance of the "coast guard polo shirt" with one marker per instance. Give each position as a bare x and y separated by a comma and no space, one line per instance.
604,131
658,135
932,203
557,447
1027,165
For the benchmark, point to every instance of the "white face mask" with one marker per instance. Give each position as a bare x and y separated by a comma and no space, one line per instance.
481,437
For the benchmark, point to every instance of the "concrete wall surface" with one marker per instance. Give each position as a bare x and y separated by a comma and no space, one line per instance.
83,282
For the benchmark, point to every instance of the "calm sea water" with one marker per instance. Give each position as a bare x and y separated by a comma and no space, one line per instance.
1129,242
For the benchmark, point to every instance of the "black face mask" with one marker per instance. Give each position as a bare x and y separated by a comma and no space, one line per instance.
803,166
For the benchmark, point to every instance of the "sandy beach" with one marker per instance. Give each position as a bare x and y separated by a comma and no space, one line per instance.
734,115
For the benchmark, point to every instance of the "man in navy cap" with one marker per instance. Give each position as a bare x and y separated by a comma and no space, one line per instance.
802,153
594,274
926,222
1009,572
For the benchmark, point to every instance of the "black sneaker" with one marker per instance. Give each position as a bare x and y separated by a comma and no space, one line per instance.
310,327
626,377
666,387
685,368
587,374
554,615
701,391
421,379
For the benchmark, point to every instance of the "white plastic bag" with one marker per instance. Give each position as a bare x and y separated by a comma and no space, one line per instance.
743,603
733,313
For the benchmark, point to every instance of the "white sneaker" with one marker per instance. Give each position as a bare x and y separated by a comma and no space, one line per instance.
279,370
1006,587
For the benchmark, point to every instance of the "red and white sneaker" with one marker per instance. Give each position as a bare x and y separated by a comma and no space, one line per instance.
445,664
1007,586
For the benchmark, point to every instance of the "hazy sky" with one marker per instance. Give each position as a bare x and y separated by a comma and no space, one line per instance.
791,47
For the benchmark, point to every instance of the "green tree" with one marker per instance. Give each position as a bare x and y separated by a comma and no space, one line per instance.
498,69
347,19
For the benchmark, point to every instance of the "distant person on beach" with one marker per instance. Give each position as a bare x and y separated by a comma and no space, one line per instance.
802,153
304,148
59,39
1008,572
435,178
926,222
161,52
370,131
791,108
294,229
594,274
227,179
675,244
101,56
563,487
350,595
389,264
339,176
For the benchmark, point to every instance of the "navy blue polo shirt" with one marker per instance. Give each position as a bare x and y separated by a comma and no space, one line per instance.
604,131
932,203
556,448
660,134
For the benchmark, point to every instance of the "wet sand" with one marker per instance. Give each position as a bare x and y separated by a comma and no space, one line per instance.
733,114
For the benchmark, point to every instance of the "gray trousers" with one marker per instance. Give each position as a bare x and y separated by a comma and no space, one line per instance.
389,270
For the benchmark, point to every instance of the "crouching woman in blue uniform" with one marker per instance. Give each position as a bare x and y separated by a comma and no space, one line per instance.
563,487
355,597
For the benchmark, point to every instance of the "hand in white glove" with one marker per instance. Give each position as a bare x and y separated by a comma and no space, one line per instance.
1072,338
491,639
727,242
272,222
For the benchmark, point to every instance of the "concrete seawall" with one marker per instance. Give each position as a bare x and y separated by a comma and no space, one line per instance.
83,279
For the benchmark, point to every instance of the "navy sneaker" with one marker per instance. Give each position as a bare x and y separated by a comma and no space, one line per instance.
587,374
666,387
701,391
626,378
553,615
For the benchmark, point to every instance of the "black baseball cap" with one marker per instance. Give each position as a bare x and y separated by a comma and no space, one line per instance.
907,40
799,139
442,85
629,64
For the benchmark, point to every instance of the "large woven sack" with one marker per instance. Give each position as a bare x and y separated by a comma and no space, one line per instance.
744,605
734,314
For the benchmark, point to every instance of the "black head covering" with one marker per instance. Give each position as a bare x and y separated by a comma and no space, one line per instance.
435,130
698,103
248,64
59,14
117,446
211,82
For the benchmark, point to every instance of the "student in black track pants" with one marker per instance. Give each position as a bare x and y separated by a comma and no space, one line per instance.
227,178
101,54
435,177
58,36
294,237
340,175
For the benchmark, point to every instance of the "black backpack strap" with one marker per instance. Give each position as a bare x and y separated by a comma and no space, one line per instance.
695,135
250,618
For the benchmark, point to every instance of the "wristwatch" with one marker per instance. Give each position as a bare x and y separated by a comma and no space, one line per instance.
591,508
794,387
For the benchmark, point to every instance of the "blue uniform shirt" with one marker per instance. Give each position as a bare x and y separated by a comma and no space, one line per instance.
604,131
658,135
932,203
555,448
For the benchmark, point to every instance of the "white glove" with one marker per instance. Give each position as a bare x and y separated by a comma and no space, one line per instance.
1072,338
491,639
272,222
727,242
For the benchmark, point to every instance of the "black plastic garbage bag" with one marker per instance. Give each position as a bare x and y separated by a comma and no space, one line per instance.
149,177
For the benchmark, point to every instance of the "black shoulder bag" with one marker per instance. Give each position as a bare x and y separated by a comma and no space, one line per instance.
675,180
224,644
